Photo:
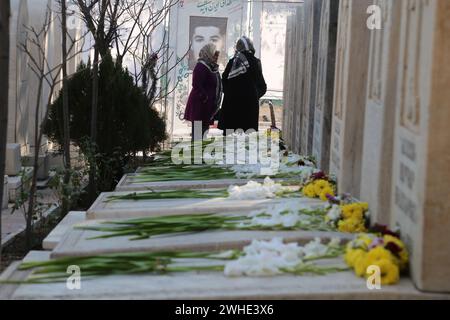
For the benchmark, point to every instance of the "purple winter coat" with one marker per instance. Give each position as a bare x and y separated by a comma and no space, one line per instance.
201,104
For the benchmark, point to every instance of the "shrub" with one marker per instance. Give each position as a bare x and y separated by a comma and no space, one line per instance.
126,123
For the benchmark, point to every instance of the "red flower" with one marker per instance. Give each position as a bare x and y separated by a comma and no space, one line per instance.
384,230
319,176
393,248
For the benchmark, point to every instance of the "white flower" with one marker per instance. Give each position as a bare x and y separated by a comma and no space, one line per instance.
286,214
254,190
265,258
334,213
334,243
315,249
274,257
289,220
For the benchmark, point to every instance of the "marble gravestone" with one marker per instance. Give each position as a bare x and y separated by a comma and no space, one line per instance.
325,83
207,285
79,243
103,208
311,44
55,236
13,161
350,95
19,76
376,175
421,173
130,183
298,79
287,102
293,83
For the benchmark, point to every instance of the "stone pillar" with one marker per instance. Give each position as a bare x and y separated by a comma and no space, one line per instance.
40,9
287,102
350,95
421,173
378,146
13,163
298,78
18,76
325,83
312,9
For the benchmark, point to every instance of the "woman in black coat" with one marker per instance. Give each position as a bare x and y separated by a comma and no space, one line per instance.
243,86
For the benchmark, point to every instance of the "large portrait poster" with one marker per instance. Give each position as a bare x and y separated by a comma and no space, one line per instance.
193,24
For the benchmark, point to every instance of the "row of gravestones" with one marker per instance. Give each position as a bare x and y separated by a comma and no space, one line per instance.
372,105
19,171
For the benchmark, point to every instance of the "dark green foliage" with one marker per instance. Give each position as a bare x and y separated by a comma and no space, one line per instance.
127,124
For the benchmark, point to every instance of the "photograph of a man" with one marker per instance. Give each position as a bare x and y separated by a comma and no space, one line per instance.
204,30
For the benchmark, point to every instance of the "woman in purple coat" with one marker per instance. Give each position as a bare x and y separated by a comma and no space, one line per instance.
206,93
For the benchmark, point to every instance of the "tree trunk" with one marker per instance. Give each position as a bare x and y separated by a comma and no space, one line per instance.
4,72
37,148
94,112
66,144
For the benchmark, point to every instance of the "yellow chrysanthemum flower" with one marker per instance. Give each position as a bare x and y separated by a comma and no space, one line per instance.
377,254
353,210
351,226
352,255
347,211
325,192
360,265
389,271
309,191
321,185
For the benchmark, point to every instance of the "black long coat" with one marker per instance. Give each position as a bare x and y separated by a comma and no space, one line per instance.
240,108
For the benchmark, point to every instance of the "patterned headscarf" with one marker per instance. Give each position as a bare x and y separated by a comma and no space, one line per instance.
206,56
245,44
240,62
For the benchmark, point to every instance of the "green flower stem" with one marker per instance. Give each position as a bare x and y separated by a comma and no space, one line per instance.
157,262
176,194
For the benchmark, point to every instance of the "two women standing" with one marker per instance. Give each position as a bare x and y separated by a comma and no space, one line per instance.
243,86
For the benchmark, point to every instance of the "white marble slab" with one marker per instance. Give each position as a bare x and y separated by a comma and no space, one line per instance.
62,228
204,286
127,183
101,209
80,242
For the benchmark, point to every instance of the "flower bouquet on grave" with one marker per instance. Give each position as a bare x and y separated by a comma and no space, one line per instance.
278,217
260,258
382,249
348,215
320,185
